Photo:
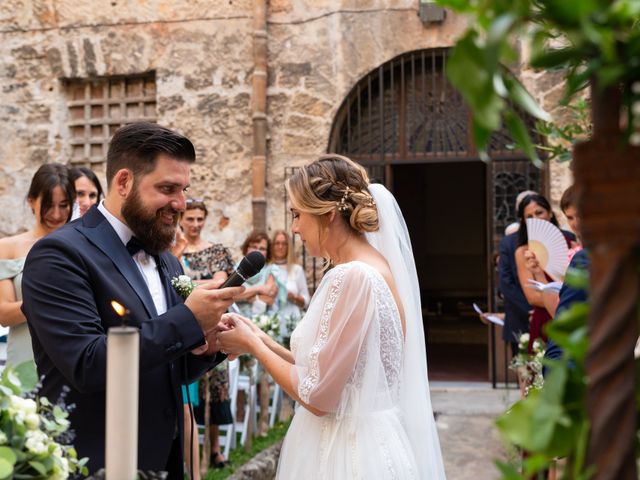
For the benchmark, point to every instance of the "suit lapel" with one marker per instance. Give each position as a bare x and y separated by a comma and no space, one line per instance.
165,276
99,232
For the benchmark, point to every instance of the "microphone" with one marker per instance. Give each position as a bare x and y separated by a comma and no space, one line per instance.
249,266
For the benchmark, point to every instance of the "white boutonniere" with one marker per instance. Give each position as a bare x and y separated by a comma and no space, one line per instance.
183,285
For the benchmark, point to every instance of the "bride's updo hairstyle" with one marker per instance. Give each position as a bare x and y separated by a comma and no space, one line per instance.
334,181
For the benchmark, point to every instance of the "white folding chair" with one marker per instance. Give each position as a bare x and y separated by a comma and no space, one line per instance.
250,394
229,440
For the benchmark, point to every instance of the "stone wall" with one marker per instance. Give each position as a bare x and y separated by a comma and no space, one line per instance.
201,51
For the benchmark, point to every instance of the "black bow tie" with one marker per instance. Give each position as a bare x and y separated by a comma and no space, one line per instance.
134,245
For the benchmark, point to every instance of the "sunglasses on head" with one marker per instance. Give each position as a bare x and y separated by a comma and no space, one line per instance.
195,202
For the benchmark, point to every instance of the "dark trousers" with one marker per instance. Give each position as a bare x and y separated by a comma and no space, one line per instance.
175,463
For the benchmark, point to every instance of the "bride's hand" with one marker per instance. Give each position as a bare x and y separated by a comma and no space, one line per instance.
254,328
239,336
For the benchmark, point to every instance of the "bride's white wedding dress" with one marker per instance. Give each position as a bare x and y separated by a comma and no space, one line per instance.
352,361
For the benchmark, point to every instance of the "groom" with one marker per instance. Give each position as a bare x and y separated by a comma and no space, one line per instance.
118,251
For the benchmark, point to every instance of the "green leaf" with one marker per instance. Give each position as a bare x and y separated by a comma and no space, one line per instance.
509,472
500,28
554,58
481,137
8,454
38,467
520,135
520,95
6,468
467,72
28,375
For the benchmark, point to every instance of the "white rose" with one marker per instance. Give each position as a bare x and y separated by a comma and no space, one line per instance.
524,338
184,279
3,438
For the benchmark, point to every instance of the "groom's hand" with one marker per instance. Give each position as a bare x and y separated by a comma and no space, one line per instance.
208,302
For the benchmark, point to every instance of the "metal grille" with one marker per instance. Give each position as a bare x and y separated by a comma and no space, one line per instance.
407,111
509,178
98,107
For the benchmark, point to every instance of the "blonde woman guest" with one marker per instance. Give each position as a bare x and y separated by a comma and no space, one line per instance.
50,197
293,292
358,365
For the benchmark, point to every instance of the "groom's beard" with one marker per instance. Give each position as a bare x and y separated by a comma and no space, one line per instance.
155,235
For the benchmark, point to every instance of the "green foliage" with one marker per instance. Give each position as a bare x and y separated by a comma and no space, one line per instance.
33,431
562,138
584,39
552,422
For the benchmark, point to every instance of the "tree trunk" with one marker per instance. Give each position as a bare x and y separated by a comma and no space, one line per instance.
607,175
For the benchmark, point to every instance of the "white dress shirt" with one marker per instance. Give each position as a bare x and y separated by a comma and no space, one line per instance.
146,263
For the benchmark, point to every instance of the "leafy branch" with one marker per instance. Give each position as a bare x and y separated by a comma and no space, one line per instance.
584,39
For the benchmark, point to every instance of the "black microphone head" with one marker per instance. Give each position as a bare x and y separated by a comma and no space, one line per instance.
251,264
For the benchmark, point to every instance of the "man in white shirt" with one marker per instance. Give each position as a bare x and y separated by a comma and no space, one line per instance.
118,251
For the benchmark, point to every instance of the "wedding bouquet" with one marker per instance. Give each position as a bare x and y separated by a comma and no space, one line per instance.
34,434
529,365
269,324
183,285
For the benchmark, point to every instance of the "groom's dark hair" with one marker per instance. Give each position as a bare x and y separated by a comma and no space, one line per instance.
136,146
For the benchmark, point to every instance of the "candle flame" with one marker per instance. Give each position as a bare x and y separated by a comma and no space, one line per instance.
120,310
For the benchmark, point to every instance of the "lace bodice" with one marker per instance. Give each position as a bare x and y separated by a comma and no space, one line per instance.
349,346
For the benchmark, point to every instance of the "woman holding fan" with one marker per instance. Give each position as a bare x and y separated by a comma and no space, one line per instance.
534,206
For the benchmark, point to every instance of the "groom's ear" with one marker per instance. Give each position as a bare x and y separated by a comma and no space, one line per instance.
123,182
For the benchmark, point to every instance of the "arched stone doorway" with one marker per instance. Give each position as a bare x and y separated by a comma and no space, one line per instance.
407,125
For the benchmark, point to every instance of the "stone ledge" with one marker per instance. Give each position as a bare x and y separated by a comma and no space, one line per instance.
261,467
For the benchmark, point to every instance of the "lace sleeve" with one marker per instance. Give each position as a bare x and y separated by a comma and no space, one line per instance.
345,316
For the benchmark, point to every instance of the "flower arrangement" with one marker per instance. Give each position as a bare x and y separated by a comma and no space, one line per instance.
183,285
529,365
35,441
269,324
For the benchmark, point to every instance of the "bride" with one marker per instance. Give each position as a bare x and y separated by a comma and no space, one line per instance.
357,364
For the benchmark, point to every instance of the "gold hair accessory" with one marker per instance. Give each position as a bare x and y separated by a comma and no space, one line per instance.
370,202
342,204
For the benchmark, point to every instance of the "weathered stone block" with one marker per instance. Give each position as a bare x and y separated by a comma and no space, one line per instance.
291,74
305,103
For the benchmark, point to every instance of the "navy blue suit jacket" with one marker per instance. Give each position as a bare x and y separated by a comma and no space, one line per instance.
70,279
516,307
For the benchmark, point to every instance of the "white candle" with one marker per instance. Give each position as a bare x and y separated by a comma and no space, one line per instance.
123,360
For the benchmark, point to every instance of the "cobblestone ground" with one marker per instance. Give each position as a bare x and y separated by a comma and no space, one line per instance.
468,437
